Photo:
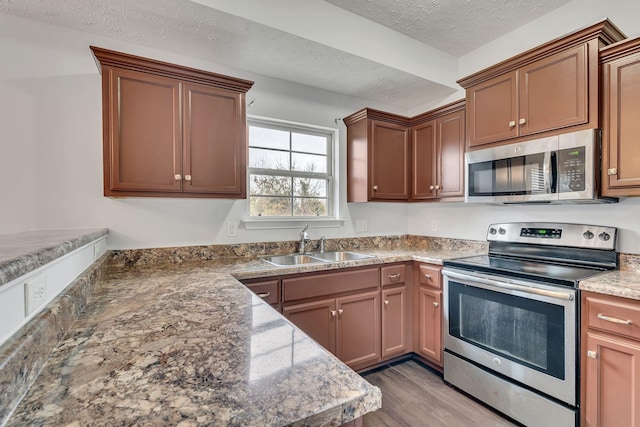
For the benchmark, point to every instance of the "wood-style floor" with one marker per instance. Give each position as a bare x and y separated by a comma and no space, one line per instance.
415,396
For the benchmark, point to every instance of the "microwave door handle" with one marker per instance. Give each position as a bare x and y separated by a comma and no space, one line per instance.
546,170
554,172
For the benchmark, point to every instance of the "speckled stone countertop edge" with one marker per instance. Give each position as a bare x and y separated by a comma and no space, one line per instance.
619,283
21,253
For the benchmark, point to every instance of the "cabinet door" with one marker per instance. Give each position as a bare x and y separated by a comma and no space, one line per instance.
317,319
621,127
358,333
215,143
492,109
612,391
450,149
143,150
423,143
394,325
430,324
389,161
553,92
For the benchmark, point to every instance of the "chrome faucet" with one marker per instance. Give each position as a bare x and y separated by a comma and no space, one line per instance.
304,238
322,245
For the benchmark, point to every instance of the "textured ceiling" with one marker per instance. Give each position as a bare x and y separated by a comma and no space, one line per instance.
454,26
193,29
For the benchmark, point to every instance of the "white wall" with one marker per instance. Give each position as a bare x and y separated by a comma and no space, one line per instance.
470,221
51,153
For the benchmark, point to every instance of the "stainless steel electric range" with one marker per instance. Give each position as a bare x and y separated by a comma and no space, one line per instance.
511,318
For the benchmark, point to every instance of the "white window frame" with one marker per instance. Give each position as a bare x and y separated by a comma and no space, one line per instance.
332,218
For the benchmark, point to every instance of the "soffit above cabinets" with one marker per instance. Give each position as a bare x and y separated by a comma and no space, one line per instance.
401,53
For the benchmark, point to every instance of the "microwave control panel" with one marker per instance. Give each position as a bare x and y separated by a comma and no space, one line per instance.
571,169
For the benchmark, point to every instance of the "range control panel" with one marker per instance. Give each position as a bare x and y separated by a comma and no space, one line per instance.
556,234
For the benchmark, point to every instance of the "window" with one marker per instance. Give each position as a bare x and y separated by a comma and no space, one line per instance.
290,170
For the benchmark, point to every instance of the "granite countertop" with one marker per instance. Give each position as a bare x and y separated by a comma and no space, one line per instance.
23,252
191,346
187,344
618,283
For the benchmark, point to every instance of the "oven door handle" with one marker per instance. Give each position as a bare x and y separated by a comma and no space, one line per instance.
511,286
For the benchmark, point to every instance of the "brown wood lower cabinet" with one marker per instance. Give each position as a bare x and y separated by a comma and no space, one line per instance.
317,319
348,327
428,306
394,322
610,361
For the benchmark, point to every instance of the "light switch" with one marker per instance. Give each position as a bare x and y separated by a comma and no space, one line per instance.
232,228
362,225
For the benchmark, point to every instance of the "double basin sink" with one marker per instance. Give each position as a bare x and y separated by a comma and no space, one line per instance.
314,258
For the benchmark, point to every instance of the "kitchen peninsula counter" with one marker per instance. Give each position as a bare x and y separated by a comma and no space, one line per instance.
187,344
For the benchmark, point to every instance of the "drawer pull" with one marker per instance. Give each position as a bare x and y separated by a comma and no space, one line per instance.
592,354
386,302
614,320
394,276
265,295
333,313
427,276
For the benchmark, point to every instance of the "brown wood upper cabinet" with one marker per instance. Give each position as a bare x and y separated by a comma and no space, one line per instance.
171,131
550,87
377,156
396,158
438,154
621,118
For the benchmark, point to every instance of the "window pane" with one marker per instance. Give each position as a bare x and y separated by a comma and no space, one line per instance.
268,159
308,163
269,206
310,187
309,207
309,143
268,138
267,185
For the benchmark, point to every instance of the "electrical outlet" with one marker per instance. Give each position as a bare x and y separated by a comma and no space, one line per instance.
362,225
35,294
232,228
434,225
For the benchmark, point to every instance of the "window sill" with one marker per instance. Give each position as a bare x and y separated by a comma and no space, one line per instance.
270,224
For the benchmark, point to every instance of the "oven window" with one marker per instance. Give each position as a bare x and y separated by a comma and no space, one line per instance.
520,329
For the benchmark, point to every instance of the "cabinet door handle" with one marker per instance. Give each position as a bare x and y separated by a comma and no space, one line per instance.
177,177
386,302
435,304
431,187
375,188
614,320
265,295
522,121
333,313
592,354
340,311
437,186
187,177
393,277
512,123
612,171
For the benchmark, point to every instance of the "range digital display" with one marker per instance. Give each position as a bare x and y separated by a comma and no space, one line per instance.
544,233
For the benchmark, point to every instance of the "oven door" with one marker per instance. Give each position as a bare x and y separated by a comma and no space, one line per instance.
523,330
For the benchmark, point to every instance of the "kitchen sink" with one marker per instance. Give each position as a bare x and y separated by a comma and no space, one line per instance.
314,258
293,259
339,255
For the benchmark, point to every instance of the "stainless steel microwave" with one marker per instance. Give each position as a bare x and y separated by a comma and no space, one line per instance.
557,169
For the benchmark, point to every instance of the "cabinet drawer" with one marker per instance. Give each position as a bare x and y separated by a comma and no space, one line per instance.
267,290
327,284
617,315
392,275
430,276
